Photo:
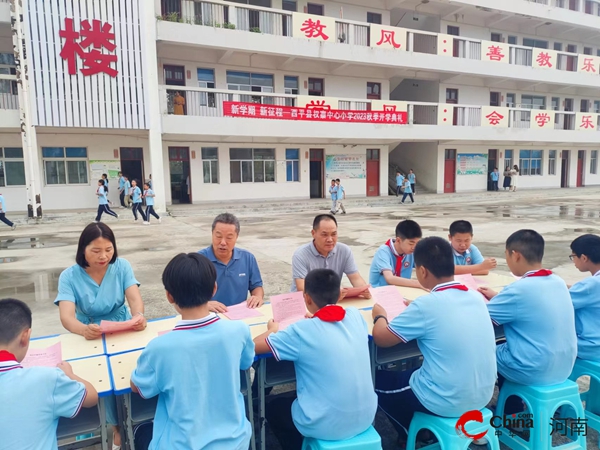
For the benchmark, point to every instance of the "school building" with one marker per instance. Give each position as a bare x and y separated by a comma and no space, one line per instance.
268,99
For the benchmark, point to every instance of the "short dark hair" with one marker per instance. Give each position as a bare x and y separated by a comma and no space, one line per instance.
588,245
435,254
337,179
320,218
104,175
90,233
146,184
333,179
323,286
190,278
408,229
15,316
528,243
461,226
397,171
101,181
227,219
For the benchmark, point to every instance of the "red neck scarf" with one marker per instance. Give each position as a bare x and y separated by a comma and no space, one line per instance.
460,287
399,258
331,313
7,356
538,273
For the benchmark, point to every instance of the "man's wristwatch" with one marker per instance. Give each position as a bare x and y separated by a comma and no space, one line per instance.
380,317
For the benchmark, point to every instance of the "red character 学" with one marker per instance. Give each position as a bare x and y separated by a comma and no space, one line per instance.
314,29
542,119
388,37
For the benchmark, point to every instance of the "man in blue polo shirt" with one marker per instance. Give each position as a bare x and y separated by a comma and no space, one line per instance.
237,269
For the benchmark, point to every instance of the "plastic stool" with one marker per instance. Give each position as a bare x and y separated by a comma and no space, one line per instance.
542,402
444,429
369,440
591,397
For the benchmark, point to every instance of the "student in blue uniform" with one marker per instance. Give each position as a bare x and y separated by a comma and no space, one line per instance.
412,178
495,176
467,257
32,400
149,196
95,289
122,181
585,296
399,182
538,319
407,191
136,196
325,349
195,369
3,214
454,332
103,202
393,262
333,190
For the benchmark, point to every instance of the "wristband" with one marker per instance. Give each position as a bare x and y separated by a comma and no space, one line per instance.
380,317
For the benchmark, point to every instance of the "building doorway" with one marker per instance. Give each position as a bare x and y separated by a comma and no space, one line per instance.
132,164
179,170
492,164
449,171
564,169
175,76
580,166
373,172
317,168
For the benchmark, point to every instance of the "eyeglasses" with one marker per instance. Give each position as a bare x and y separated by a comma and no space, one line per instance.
571,257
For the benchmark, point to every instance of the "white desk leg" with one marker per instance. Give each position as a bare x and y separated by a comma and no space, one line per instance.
262,373
103,424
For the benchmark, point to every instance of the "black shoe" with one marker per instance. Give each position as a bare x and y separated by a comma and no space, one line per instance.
344,212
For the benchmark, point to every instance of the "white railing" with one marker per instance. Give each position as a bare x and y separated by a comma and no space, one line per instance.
519,118
468,49
422,114
564,120
351,33
468,116
9,101
422,42
567,62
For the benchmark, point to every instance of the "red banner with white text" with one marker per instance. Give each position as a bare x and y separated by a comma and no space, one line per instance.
322,114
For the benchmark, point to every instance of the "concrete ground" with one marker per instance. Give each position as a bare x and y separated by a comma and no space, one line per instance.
33,256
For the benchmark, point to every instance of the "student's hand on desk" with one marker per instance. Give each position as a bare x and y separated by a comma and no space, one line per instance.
92,331
489,264
378,310
66,368
487,292
141,324
366,295
254,302
217,307
272,326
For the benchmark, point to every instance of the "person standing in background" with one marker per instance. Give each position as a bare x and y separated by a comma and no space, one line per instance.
333,190
122,181
341,195
514,175
3,214
495,176
399,182
506,182
407,191
412,178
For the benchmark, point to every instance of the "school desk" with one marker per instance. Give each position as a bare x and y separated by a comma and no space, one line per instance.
496,280
73,346
135,340
134,409
265,310
95,370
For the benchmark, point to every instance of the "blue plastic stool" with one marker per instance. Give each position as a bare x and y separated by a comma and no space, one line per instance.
591,397
542,402
444,429
369,440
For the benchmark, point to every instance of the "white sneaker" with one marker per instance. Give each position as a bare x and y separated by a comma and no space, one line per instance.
146,223
159,221
134,220
14,227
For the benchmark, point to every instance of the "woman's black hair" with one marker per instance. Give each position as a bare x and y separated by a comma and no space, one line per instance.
92,232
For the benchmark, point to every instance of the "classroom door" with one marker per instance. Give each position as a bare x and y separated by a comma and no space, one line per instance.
132,164
373,172
449,171
317,169
492,164
179,170
564,169
580,166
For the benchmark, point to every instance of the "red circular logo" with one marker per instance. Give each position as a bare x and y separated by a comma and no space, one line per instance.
470,416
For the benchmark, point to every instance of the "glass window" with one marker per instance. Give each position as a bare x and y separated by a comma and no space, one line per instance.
374,18
290,86
76,152
533,102
206,77
12,167
594,162
588,50
597,106
292,164
512,40
530,162
65,165
210,164
374,91
527,42
508,158
248,165
53,152
558,46
290,5
552,162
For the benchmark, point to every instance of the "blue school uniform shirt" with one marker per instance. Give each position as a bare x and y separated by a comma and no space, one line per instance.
149,200
470,257
236,279
32,400
495,176
399,180
94,303
407,187
127,188
195,371
121,183
456,337
2,204
333,191
102,197
340,194
539,323
137,194
585,296
331,404
411,178
386,258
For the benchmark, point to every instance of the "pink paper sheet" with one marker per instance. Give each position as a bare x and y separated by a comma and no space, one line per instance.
288,308
45,357
241,311
472,283
354,291
391,299
107,326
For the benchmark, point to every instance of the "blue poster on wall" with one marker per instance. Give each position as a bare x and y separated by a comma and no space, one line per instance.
471,164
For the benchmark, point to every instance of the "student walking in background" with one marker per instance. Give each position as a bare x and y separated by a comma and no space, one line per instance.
399,182
122,181
103,202
149,196
105,181
333,190
412,178
3,214
407,191
341,195
136,194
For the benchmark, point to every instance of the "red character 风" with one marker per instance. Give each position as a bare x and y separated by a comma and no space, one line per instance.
388,37
312,29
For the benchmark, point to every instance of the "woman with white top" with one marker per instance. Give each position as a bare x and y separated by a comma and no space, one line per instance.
514,175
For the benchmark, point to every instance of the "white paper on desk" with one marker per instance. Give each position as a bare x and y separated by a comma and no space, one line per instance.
391,299
44,357
288,308
107,326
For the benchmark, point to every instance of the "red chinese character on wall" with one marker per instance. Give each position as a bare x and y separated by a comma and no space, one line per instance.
312,29
543,60
391,108
388,37
542,119
98,36
588,65
494,118
586,122
495,53
318,104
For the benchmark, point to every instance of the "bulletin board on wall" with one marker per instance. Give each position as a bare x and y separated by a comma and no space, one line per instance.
471,164
346,166
109,167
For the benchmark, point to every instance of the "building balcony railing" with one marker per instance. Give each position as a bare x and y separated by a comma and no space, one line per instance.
190,101
9,101
221,14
